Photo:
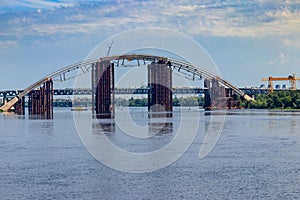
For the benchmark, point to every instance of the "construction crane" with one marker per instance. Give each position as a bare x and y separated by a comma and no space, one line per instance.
291,78
109,48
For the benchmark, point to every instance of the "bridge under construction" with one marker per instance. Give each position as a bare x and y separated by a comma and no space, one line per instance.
219,91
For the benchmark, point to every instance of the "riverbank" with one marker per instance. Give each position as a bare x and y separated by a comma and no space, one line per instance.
282,100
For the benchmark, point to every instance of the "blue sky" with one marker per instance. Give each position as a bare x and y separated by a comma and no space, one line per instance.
248,40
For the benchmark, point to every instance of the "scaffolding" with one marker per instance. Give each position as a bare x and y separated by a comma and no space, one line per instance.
104,78
20,107
160,94
40,101
218,97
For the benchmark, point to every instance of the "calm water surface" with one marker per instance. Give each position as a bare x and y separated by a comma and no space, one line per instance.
256,157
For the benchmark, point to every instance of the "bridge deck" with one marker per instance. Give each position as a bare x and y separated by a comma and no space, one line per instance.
69,92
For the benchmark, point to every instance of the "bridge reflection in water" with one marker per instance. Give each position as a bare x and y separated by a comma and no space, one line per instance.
154,128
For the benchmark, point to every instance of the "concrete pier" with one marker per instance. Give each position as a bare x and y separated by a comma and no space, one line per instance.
40,101
160,94
20,107
104,76
218,97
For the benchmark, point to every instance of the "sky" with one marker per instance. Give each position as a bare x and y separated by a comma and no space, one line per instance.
247,40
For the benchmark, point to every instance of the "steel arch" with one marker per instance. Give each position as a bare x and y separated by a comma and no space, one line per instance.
86,65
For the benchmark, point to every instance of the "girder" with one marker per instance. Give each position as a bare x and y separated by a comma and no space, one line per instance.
70,92
86,65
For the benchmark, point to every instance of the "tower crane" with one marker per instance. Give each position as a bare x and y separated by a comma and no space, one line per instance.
292,78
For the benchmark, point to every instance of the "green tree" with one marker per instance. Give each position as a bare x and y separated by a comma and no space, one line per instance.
275,100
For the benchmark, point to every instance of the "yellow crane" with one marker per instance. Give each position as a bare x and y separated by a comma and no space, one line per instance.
291,78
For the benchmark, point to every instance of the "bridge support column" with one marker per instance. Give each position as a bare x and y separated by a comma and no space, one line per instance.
218,97
3,99
104,76
207,98
20,107
41,101
231,102
160,94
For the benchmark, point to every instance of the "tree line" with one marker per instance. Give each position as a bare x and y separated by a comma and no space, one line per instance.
143,102
275,100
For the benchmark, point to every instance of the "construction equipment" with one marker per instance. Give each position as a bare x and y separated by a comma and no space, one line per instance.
291,78
109,48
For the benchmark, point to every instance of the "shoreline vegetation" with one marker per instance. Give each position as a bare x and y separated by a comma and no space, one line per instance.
133,102
284,100
143,102
279,100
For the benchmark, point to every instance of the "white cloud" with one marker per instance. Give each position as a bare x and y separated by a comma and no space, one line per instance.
280,59
254,19
36,4
7,43
291,42
39,10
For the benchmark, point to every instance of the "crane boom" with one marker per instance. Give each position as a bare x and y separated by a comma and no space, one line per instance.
109,48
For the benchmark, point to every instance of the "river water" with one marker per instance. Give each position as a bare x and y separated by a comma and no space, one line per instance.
257,156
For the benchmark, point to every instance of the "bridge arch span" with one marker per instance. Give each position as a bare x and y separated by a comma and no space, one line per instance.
86,66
